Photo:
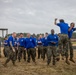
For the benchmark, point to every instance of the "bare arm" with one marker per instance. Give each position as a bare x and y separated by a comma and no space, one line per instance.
55,22
70,29
12,46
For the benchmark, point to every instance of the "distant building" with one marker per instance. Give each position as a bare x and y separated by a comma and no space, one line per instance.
4,29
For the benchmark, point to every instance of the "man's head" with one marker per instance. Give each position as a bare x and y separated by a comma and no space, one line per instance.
14,34
46,34
52,31
72,24
21,35
28,35
40,36
33,36
61,20
6,38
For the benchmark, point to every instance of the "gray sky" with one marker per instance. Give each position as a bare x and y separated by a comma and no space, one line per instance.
35,16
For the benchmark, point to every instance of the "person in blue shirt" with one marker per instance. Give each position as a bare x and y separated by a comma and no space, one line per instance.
34,37
6,47
21,50
45,45
70,32
16,47
11,54
40,46
52,46
30,45
64,37
6,41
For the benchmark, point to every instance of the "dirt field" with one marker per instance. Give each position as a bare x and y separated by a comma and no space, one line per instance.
24,68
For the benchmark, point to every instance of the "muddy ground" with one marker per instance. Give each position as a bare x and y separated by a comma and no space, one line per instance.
24,68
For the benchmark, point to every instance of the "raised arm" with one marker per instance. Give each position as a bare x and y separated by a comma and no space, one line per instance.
70,28
55,22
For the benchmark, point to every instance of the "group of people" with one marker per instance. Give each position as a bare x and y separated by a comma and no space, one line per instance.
48,46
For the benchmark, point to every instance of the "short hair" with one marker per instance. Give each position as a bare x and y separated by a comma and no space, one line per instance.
72,23
46,33
52,29
14,33
6,37
21,33
61,20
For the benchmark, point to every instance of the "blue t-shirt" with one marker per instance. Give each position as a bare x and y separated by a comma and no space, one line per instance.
71,32
11,39
52,38
35,40
40,41
63,27
16,43
5,42
30,43
45,41
21,42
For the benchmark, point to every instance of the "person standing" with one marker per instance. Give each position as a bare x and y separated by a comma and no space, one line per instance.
6,47
34,37
40,46
31,48
70,32
52,46
21,50
16,47
45,45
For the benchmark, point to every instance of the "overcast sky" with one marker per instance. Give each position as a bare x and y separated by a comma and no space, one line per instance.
35,16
